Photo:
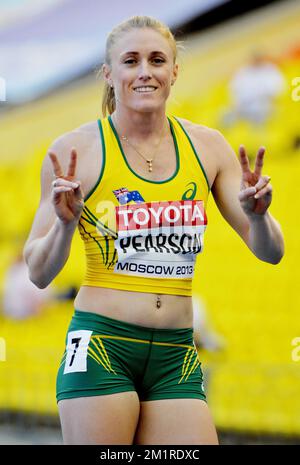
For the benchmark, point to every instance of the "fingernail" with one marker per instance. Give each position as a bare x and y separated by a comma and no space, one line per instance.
256,196
74,185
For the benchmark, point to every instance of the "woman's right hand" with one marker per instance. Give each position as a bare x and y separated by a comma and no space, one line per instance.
67,196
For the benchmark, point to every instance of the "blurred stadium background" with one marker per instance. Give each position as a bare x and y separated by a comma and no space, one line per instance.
49,55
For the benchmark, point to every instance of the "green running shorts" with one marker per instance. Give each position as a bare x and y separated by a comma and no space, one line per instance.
106,356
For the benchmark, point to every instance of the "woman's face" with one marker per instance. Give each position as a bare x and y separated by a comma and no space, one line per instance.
142,70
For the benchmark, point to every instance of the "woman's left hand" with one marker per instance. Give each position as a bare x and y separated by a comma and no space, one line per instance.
256,191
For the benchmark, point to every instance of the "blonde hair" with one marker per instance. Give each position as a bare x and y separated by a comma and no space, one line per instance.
108,99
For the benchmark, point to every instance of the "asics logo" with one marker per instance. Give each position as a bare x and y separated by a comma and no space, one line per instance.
190,193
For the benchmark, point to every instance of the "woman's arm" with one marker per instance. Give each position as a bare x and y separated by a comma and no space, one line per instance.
243,197
48,245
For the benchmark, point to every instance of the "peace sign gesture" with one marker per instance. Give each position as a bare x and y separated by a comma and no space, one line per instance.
256,192
67,196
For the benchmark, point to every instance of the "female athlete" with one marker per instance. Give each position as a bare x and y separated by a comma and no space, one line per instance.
135,183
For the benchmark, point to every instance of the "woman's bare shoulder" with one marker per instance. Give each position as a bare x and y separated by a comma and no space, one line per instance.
210,143
200,130
81,138
87,142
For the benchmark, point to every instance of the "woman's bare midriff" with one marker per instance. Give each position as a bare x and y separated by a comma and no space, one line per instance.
137,307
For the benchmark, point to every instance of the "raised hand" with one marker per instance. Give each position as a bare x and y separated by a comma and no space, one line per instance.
256,192
67,196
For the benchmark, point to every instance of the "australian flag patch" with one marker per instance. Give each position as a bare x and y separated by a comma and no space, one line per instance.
124,196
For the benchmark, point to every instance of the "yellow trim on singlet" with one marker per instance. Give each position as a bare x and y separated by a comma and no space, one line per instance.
97,225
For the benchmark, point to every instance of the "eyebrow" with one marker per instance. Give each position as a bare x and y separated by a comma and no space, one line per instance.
137,53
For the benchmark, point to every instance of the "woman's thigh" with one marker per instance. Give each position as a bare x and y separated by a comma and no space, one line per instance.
106,419
175,421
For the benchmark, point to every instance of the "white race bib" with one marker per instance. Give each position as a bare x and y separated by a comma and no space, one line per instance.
159,239
77,347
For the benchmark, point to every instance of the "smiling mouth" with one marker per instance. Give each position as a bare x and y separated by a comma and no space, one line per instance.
145,89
